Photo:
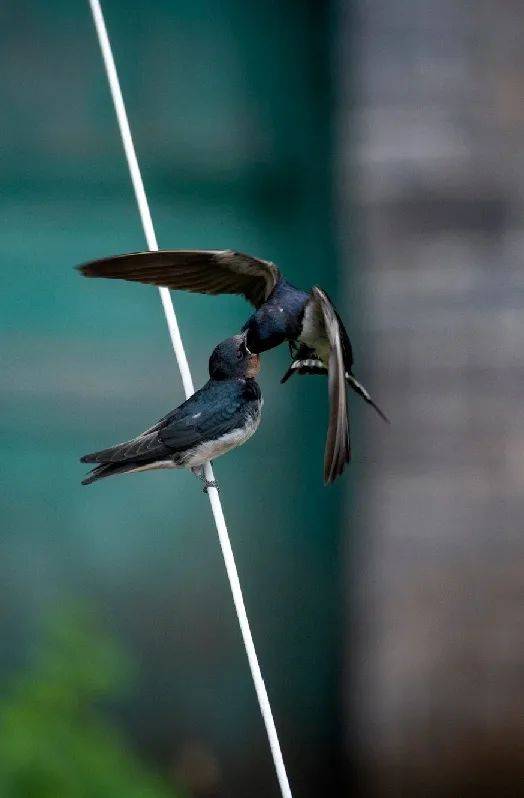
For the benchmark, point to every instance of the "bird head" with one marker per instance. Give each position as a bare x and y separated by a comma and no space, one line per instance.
232,359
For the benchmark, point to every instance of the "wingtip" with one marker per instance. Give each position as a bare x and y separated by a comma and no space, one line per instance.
329,479
85,269
91,269
335,470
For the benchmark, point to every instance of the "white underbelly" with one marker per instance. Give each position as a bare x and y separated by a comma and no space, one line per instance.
313,332
156,465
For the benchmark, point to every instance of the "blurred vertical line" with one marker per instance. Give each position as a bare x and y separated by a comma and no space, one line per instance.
431,136
343,66
212,492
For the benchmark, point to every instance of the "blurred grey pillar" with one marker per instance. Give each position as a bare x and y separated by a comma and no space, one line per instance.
431,141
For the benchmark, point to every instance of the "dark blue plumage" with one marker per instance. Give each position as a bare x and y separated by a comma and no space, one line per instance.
308,320
279,319
223,414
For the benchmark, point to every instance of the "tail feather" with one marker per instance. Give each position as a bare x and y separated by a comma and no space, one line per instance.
305,366
314,365
106,470
358,388
146,447
114,454
143,453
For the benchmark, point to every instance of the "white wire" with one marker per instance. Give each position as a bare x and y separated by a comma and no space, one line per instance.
183,365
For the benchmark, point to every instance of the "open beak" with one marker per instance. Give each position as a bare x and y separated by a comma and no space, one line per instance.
253,366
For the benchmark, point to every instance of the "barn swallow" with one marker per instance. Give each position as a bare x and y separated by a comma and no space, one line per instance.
308,320
220,416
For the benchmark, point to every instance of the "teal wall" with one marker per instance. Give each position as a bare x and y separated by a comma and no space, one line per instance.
230,107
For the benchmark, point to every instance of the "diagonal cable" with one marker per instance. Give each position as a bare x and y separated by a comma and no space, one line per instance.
187,381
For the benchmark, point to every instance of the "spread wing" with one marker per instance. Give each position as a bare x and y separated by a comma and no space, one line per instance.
337,453
200,271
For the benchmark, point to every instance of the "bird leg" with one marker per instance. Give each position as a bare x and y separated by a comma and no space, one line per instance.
199,472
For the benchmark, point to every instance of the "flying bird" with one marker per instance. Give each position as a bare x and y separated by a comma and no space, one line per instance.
318,341
220,416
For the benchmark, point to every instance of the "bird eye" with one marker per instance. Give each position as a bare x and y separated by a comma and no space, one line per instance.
242,350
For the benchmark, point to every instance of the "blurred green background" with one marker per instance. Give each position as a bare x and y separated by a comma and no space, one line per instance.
231,108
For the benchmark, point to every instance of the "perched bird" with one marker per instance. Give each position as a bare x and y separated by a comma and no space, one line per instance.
220,416
308,320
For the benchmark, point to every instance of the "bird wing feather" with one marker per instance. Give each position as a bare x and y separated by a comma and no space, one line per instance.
199,271
145,448
337,452
209,413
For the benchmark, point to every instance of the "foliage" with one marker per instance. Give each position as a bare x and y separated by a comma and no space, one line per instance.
55,739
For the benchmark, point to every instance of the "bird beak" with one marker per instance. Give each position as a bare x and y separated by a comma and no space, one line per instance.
253,366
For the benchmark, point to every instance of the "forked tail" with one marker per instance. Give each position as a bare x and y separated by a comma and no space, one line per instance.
358,388
313,365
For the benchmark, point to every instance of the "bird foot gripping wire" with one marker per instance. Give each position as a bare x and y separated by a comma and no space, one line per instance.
207,483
